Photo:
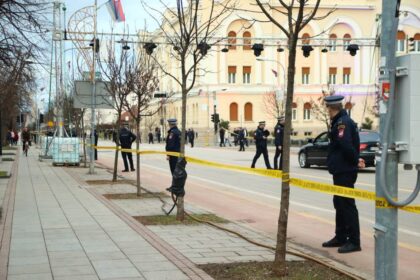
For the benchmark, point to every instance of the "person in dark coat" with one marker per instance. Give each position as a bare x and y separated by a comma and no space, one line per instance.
173,143
126,140
222,132
95,134
241,139
158,134
150,135
278,142
343,163
191,136
261,144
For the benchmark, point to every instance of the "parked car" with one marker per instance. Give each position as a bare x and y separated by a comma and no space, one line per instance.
316,151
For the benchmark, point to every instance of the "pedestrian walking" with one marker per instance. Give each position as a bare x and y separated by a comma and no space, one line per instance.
95,134
261,144
126,140
173,143
278,142
227,140
9,137
191,137
343,162
241,139
158,134
15,137
150,135
222,132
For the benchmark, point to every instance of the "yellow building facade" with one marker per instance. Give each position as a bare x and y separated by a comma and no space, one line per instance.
241,87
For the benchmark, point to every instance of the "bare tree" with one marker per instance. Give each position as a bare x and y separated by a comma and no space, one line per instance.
320,110
117,72
189,31
273,106
143,82
298,15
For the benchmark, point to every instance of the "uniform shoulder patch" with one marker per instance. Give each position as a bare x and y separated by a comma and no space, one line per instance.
341,129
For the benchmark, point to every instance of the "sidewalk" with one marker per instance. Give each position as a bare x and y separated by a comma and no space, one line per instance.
60,230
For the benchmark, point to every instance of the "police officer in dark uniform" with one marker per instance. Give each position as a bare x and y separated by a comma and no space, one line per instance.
278,142
261,144
241,139
126,139
343,163
173,143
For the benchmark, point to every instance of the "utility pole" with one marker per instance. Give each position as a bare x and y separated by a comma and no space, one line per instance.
93,96
386,221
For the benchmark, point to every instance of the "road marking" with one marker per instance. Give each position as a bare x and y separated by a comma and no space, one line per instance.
304,205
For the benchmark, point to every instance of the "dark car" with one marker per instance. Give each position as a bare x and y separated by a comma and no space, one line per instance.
316,151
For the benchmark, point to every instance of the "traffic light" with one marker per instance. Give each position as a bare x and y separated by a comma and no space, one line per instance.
216,118
307,50
149,47
203,48
353,48
41,118
95,44
212,117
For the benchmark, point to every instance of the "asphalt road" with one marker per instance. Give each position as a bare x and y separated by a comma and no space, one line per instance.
267,190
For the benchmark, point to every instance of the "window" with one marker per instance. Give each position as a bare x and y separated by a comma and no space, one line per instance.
332,76
232,40
294,133
346,75
248,112
247,40
294,111
346,41
233,112
232,74
348,108
246,74
307,111
305,75
307,133
416,42
400,41
333,42
305,39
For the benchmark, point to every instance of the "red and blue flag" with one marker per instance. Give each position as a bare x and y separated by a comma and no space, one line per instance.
116,10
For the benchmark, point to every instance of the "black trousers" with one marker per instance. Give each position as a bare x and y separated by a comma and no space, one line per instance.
192,143
264,152
241,145
130,159
279,153
346,214
172,163
222,141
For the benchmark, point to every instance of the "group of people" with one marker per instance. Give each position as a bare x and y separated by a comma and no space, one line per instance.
12,137
157,136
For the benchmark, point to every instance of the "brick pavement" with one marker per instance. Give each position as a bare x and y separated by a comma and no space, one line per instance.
61,231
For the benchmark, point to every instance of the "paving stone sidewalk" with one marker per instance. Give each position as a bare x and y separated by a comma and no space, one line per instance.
61,231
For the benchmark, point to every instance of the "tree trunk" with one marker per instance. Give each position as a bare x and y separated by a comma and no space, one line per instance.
279,266
138,157
117,141
180,215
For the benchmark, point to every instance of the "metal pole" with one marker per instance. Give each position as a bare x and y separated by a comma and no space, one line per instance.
93,96
386,219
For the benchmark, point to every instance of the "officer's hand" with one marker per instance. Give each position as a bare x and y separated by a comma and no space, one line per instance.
361,163
167,157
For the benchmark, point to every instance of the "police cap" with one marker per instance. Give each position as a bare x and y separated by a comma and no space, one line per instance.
172,121
333,100
262,122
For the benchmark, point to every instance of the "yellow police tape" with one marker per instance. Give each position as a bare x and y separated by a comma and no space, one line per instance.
304,184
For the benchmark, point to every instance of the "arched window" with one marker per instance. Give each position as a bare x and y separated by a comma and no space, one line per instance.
305,39
232,40
248,111
307,111
233,112
416,42
346,41
247,40
348,108
294,111
333,42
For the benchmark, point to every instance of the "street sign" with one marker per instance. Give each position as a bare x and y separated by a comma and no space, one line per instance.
159,95
83,95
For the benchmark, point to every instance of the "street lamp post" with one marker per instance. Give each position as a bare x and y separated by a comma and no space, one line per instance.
282,67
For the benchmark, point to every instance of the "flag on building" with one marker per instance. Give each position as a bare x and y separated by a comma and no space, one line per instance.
274,72
115,10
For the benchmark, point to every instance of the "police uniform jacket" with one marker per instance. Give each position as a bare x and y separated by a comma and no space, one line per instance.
126,138
173,142
344,147
260,141
278,135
